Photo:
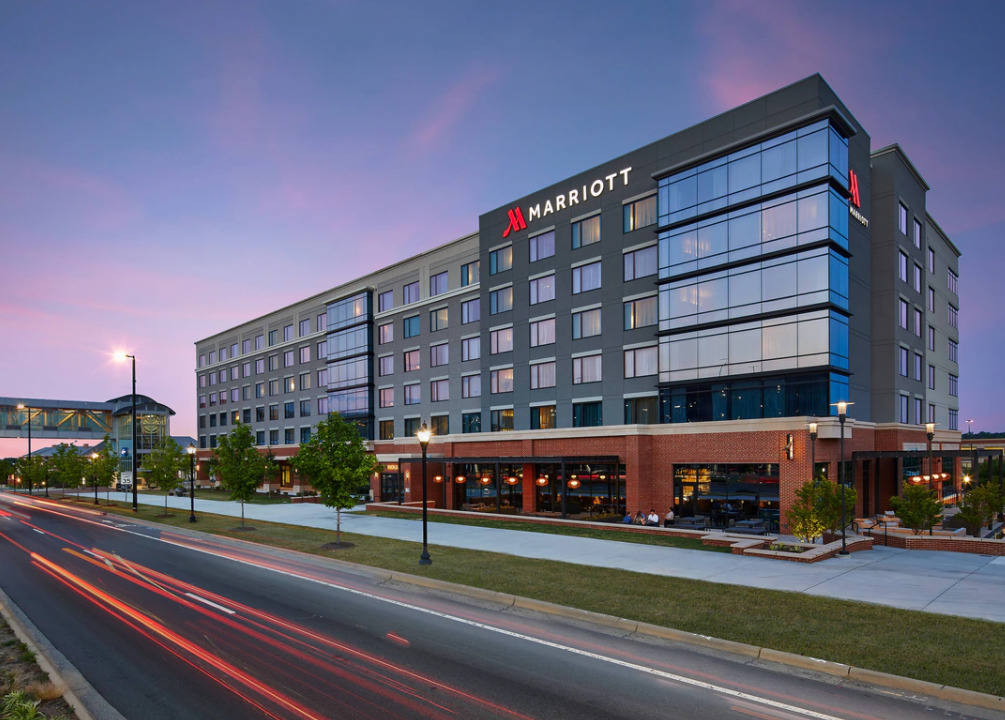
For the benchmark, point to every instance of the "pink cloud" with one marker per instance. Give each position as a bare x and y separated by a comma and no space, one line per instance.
448,108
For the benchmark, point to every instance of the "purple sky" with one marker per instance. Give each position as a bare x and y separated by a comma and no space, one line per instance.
169,170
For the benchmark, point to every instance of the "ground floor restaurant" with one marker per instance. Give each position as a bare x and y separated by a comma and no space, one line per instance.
725,472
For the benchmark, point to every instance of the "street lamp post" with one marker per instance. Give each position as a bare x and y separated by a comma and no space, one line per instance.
973,449
134,453
930,434
424,435
813,450
27,410
94,476
191,481
842,415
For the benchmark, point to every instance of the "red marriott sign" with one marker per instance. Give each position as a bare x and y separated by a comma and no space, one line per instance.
518,221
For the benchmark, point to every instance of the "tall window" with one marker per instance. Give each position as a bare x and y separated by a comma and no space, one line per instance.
471,311
410,327
387,429
438,319
931,377
954,317
586,323
542,375
953,283
385,301
305,327
386,397
322,322
410,293
542,246
501,340
385,333
585,278
587,369
245,347
413,394
917,234
931,261
903,355
904,418
439,390
954,351
500,259
902,218
439,355
273,337
931,299
500,300
916,281
542,417
259,342
586,232
641,263
501,381
542,332
954,385
469,273
641,362
471,422
502,420
471,386
542,289
918,363
438,283
471,348
412,362
902,266
385,365
287,332
640,214
903,313
641,313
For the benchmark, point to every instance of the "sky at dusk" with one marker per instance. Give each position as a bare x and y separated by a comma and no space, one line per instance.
171,169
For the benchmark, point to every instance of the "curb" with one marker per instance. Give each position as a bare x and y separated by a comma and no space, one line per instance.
86,702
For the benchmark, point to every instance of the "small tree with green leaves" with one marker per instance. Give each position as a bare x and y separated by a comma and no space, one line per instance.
105,466
917,508
31,470
68,466
803,517
829,505
8,466
163,467
336,462
240,466
977,508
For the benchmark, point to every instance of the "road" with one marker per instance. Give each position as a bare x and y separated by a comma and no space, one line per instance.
168,624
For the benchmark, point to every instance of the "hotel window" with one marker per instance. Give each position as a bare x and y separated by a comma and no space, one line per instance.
245,416
587,414
917,411
412,362
641,362
202,360
439,390
323,350
413,394
586,232
471,422
918,363
954,385
233,350
903,355
902,218
305,381
438,283
902,266
542,417
500,260
471,311
246,369
471,386
954,419
931,413
470,273
904,418
542,246
273,362
273,412
542,332
410,327
542,375
321,323
585,278
931,338
585,323
640,214
412,426
202,381
212,420
954,317
324,406
305,354
953,282
954,351
501,381
501,341
260,413
289,410
290,384
287,332
916,283
235,395
931,299
917,234
502,420
437,319
385,397
202,401
500,300
587,369
288,435
305,434
223,354
385,333
246,392
288,358
385,365
410,293
641,313
931,261
273,437
323,378
385,301
542,289
471,348
273,388
305,328
260,437
245,347
439,355
641,263
387,429
259,342
440,424
903,313
212,357
259,390
931,377
642,411
917,322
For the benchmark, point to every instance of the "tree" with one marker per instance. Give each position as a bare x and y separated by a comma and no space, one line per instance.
105,466
336,462
917,508
829,505
163,467
68,465
803,517
240,466
8,466
32,470
977,507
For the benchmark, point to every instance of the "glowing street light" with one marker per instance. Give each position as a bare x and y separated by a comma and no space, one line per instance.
424,435
122,357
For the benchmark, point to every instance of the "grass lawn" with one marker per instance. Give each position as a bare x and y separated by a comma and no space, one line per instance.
953,651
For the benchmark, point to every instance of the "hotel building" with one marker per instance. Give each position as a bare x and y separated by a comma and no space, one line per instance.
657,330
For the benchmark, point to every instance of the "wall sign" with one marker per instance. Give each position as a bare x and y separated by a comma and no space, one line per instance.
517,220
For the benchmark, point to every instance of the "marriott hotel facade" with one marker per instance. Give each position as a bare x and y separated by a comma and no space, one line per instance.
658,330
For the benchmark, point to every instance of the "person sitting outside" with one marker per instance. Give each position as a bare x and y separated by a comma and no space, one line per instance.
653,520
668,518
628,518
640,519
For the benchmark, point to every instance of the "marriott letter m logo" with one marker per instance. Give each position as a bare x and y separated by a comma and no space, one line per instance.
516,221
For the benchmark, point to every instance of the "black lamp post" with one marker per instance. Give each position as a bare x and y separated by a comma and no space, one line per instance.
424,435
813,451
842,416
28,413
94,476
930,434
191,481
135,454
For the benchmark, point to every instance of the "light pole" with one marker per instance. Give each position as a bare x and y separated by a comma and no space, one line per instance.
191,481
424,435
842,415
135,454
813,451
973,449
94,476
930,434
27,410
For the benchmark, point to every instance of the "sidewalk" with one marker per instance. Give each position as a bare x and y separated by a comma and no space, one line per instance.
939,582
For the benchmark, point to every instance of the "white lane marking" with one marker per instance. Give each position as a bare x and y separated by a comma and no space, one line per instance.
211,603
38,531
